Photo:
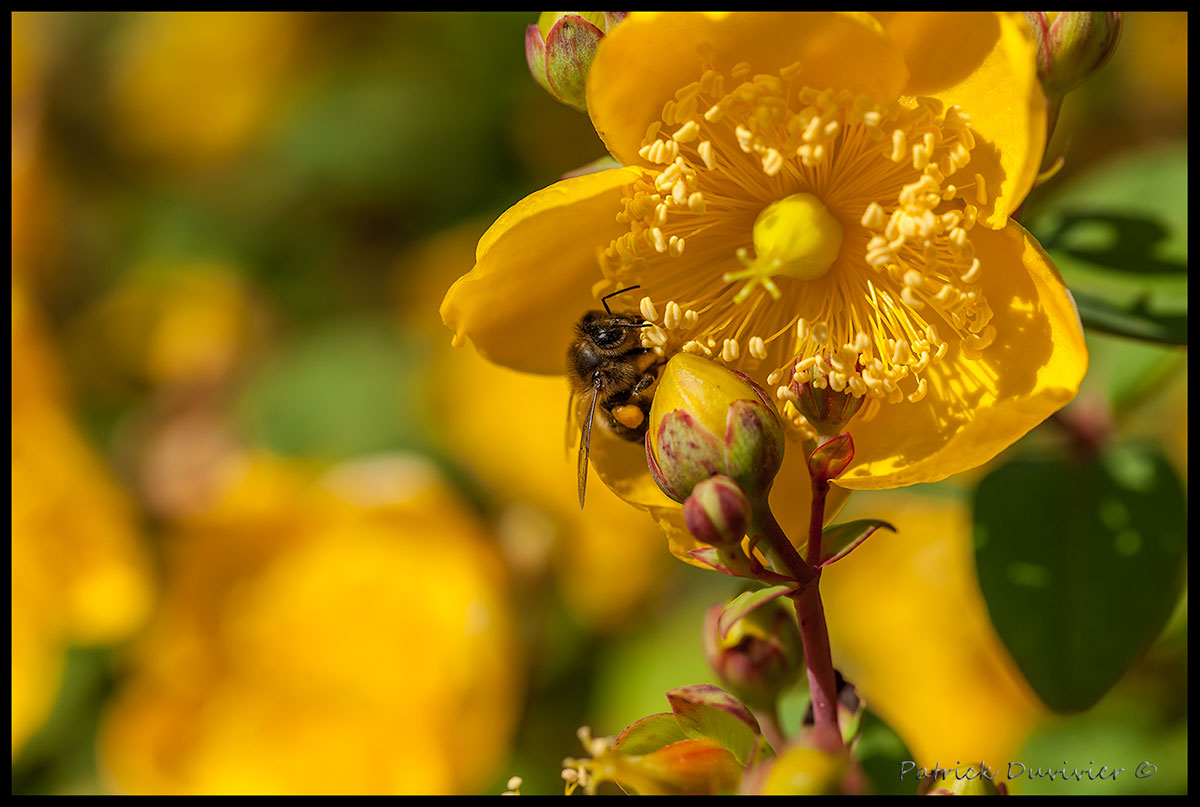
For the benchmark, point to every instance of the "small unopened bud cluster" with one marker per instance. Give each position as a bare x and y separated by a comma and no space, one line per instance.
759,655
826,410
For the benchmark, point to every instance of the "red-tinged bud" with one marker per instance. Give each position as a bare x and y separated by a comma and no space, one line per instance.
1073,46
706,420
827,410
759,656
560,49
831,458
718,512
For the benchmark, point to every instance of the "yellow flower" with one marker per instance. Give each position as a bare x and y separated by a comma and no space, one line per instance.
909,628
828,187
347,634
79,574
187,324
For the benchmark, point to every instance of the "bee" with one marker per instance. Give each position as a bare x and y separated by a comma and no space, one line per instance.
608,363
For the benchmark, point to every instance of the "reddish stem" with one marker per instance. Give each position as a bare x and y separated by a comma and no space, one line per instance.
816,521
810,614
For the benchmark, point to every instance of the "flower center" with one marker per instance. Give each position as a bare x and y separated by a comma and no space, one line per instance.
865,207
795,237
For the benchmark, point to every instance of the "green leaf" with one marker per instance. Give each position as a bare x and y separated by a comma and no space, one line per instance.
1080,565
880,750
745,603
703,710
839,540
649,734
1119,237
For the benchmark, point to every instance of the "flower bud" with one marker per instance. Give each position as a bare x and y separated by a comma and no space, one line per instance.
717,513
759,656
560,48
827,410
1073,47
706,420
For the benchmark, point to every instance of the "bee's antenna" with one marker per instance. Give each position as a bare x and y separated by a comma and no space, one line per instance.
604,299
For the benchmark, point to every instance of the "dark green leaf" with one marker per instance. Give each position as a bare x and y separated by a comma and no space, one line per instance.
1119,237
880,752
1080,565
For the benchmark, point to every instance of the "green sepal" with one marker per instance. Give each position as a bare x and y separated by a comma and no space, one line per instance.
649,734
703,710
746,602
839,540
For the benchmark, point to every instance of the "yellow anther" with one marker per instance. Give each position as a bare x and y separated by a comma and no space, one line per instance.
659,240
872,219
649,312
672,315
981,189
757,347
705,150
772,162
679,192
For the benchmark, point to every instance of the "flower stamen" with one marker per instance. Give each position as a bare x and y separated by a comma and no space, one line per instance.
857,223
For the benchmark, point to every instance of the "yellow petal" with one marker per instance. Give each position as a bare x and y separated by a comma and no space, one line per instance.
909,628
534,272
976,409
986,64
640,65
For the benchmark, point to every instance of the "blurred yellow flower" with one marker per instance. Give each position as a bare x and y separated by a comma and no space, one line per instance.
187,323
909,628
78,572
829,187
350,634
193,88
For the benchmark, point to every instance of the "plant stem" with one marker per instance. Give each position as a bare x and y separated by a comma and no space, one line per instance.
768,721
816,522
810,615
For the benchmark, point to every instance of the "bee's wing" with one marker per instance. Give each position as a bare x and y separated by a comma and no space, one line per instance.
585,442
572,432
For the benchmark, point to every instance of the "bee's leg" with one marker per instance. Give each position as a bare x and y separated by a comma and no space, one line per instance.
644,383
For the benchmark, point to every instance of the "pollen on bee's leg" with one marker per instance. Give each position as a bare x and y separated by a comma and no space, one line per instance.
629,416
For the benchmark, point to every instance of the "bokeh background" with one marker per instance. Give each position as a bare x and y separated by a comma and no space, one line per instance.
272,534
